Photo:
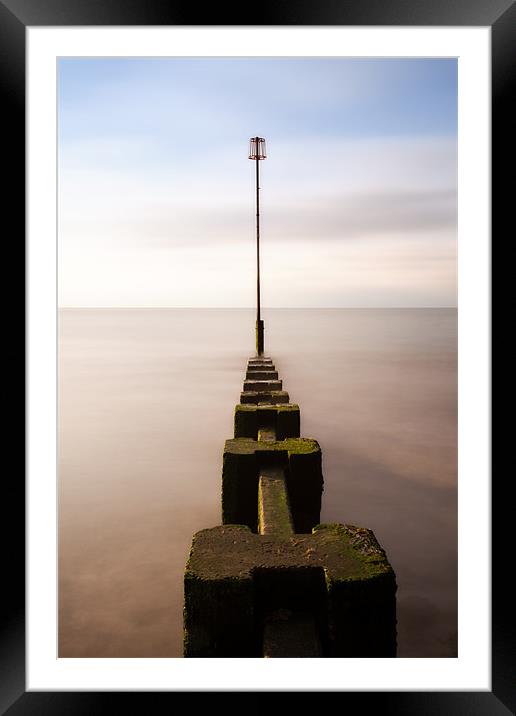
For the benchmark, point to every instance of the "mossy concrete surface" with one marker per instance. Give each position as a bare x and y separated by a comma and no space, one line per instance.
350,590
242,460
296,446
218,613
249,417
274,516
252,374
259,360
271,397
261,367
267,433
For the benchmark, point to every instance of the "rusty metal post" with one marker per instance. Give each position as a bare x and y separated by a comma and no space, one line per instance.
257,152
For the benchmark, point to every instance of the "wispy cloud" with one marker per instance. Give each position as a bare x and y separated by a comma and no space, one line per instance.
156,195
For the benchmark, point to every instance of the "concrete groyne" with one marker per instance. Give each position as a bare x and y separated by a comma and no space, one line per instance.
271,581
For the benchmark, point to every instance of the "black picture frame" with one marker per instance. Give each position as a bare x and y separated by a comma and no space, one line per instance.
15,17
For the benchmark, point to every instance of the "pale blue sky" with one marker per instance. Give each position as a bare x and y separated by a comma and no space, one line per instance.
156,194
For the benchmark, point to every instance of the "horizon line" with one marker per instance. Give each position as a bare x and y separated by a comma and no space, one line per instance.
249,308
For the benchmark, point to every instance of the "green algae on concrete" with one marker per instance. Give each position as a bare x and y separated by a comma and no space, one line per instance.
267,432
272,397
218,613
274,516
249,417
361,606
294,446
340,575
242,460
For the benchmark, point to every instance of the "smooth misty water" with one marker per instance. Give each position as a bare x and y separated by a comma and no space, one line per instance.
146,399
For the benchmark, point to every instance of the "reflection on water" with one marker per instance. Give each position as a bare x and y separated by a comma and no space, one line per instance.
146,400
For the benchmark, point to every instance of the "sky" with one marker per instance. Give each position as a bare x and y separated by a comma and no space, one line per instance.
156,194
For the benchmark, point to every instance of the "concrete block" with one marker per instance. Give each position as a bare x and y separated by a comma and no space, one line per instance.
338,578
263,367
262,385
246,421
287,421
274,517
361,611
272,397
284,417
259,359
242,460
218,612
252,374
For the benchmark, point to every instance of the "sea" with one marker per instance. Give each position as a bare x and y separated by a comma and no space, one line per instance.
146,399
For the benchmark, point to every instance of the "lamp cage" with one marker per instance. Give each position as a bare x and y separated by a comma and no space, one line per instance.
257,149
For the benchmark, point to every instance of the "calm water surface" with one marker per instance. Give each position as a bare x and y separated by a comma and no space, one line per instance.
146,399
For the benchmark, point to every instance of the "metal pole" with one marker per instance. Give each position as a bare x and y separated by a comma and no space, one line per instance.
257,236
259,322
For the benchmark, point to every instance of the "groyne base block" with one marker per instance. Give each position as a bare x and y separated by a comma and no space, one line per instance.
237,585
242,461
262,385
259,360
284,418
271,397
254,374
